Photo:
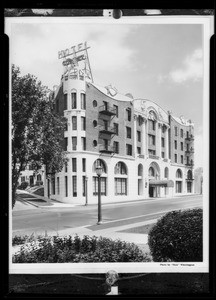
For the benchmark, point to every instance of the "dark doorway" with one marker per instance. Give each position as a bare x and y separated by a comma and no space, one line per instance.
151,191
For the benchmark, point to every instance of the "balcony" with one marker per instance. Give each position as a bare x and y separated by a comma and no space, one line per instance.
189,164
106,110
189,138
107,130
189,151
153,156
106,149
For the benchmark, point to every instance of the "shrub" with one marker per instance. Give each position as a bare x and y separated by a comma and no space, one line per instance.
39,182
177,237
21,239
87,249
23,185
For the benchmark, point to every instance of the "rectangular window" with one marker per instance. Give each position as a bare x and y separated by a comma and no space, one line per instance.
74,123
65,144
176,159
162,154
66,126
66,186
128,110
182,133
84,185
163,129
162,142
22,178
116,147
128,132
116,128
178,186
83,101
151,152
176,131
58,186
175,143
84,164
138,136
73,100
53,185
182,159
74,143
140,121
66,166
74,164
182,146
83,123
151,140
83,141
74,183
116,110
151,125
65,102
120,186
139,150
95,186
128,149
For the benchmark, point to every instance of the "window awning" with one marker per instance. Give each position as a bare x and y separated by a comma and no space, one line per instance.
167,183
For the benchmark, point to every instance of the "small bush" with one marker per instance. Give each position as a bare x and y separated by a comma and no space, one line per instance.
87,249
39,182
21,239
23,185
177,237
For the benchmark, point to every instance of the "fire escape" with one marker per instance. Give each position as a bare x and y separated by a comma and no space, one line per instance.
106,132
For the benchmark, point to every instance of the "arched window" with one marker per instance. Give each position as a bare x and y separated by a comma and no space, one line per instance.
178,173
120,181
140,170
166,173
120,168
99,162
151,172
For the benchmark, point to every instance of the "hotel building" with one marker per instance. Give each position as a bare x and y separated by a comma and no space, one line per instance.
144,151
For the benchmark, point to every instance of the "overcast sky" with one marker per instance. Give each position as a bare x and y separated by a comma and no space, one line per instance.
163,63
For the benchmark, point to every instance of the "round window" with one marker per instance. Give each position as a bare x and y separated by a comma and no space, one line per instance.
95,143
94,103
95,123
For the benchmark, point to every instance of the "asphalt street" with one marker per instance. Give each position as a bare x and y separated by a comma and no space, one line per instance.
45,219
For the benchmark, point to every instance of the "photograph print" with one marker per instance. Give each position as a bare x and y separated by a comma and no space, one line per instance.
109,144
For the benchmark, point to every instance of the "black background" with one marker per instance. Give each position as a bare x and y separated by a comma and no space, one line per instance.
151,285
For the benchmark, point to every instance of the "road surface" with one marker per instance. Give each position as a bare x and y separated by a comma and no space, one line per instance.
56,219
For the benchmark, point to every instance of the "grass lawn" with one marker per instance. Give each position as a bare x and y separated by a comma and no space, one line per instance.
141,229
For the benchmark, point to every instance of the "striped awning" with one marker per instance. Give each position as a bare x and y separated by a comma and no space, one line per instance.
167,183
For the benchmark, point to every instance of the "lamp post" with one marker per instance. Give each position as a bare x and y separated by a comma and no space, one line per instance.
99,171
86,190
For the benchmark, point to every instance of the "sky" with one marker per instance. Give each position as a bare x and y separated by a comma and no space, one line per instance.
159,62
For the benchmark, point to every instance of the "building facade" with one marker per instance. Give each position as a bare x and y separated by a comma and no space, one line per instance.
144,151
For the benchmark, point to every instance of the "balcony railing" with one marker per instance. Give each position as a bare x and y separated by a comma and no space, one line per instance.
107,110
153,156
189,164
189,137
107,129
106,149
189,151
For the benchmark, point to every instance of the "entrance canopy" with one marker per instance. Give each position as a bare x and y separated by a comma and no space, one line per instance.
166,183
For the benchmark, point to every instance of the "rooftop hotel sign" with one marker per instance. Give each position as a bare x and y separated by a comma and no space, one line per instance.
73,58
73,50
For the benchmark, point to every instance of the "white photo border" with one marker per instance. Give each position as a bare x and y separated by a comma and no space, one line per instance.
81,268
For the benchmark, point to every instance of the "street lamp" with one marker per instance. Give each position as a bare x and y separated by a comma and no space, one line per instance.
86,190
99,171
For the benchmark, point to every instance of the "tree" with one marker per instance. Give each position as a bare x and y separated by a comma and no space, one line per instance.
37,131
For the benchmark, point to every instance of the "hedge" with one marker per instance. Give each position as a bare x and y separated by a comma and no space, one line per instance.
23,185
87,249
178,237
